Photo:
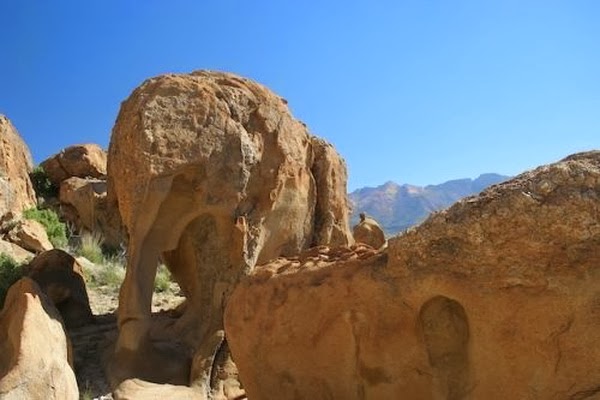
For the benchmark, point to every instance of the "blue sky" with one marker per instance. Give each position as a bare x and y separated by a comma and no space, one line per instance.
412,91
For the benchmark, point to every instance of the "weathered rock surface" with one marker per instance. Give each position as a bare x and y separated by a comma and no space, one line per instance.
18,253
211,171
84,204
61,277
16,190
34,350
30,235
369,232
83,161
494,298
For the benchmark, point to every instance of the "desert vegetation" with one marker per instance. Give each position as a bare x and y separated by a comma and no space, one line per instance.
10,272
56,230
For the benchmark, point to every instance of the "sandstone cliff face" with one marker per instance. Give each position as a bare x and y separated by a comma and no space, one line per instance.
16,191
211,171
494,298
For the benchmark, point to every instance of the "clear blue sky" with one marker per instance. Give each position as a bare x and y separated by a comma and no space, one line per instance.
412,91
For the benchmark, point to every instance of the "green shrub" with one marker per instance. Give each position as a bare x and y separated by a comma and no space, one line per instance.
91,248
107,276
55,229
41,184
162,282
10,272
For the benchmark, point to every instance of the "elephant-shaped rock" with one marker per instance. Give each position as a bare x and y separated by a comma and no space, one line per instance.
211,174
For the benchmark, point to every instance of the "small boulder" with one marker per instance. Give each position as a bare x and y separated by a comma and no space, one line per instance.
369,232
18,253
34,349
61,277
30,235
85,160
16,190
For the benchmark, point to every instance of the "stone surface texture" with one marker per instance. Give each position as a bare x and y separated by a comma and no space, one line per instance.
30,235
83,161
18,253
369,232
34,349
16,190
84,204
495,298
60,276
211,172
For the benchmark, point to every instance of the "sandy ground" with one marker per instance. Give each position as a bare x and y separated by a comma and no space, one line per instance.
91,342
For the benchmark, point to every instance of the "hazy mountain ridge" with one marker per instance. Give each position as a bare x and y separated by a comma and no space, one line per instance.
398,207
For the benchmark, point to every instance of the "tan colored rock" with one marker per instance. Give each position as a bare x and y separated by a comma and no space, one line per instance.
84,204
30,235
18,253
83,161
369,232
16,190
212,171
494,298
34,350
61,277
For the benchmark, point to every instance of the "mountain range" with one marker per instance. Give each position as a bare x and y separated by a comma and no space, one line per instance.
398,207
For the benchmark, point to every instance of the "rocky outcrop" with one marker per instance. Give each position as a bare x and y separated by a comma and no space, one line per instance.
34,350
83,161
16,191
369,232
84,204
61,277
494,298
30,235
211,171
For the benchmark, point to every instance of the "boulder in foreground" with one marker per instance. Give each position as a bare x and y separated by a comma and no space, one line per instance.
34,349
495,298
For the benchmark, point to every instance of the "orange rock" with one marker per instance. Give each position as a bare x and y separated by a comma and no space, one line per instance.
16,190
84,204
83,161
212,171
369,232
30,235
61,277
494,298
34,349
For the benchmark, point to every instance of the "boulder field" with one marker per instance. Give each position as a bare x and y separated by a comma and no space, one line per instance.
496,297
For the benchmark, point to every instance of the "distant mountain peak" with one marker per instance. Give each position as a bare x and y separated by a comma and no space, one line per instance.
398,206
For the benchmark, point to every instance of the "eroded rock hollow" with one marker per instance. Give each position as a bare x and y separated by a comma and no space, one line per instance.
497,297
212,174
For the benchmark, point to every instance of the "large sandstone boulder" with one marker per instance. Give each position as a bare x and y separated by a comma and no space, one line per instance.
61,277
494,298
16,190
34,349
30,235
212,172
369,232
83,161
84,204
